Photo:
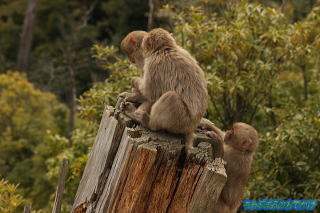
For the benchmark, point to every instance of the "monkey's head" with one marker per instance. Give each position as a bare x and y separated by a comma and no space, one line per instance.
131,45
242,137
158,39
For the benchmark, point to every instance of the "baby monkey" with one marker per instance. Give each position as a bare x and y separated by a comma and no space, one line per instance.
173,85
131,45
240,144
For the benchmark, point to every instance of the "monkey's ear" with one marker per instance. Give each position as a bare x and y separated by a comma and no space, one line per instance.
246,144
148,42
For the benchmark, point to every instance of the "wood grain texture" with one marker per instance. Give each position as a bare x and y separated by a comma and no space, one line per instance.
133,170
60,186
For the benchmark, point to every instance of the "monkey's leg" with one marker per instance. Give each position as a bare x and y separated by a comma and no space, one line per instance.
189,144
170,113
140,114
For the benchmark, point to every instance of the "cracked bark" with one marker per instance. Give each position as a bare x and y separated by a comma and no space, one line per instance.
132,169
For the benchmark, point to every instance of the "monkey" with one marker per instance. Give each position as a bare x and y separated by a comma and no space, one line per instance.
240,144
174,87
131,45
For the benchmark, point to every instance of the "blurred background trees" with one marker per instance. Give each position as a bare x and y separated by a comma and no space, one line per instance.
261,60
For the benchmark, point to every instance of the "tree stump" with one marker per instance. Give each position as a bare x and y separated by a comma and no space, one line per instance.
132,169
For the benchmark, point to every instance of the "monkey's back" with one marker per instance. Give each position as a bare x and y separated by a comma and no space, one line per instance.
176,70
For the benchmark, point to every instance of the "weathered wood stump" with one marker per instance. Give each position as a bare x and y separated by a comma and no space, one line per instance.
131,169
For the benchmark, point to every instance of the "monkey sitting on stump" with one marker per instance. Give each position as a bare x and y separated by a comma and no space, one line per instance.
173,85
131,45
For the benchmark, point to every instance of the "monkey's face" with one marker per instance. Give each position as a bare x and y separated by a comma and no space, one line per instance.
242,137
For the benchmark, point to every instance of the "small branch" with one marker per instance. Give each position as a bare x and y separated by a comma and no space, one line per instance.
26,36
282,5
27,209
60,187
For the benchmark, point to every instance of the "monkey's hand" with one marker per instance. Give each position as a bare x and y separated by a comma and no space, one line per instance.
127,106
206,124
135,82
216,144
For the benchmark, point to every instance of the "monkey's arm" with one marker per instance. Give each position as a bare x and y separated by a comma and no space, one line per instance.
214,139
134,96
136,82
208,125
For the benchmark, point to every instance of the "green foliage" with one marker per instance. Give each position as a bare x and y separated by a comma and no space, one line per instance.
63,34
261,68
10,199
26,114
82,140
239,52
94,100
287,164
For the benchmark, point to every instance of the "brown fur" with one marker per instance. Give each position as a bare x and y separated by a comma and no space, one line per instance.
173,84
131,45
240,144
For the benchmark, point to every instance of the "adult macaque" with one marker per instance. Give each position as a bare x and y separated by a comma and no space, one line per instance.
240,144
173,85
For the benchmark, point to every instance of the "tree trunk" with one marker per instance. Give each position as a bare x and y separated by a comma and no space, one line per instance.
150,14
72,100
131,169
26,36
